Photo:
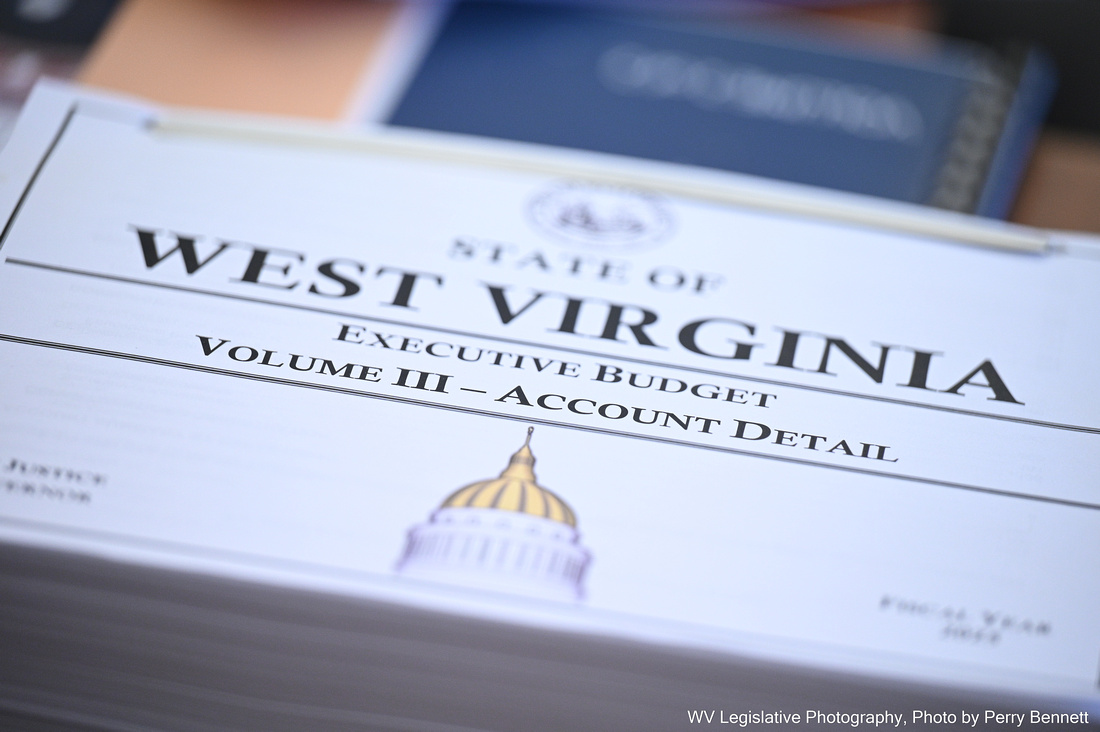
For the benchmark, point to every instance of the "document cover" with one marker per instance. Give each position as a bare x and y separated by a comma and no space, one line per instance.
424,371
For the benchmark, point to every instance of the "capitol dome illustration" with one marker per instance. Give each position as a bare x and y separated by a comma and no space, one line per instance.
507,533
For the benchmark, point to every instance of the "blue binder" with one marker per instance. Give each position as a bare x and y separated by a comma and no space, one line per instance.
950,128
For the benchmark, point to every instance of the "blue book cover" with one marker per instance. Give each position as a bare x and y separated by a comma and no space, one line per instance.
950,128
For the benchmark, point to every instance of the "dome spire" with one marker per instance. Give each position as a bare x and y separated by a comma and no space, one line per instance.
522,464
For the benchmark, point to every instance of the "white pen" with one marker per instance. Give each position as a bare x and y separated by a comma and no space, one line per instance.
666,178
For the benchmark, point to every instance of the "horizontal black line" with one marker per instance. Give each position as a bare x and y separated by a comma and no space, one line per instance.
554,347
528,420
478,391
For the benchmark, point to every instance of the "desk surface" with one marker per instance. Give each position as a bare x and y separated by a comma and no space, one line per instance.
311,60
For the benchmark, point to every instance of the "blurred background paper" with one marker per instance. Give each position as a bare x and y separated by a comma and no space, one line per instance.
336,58
267,56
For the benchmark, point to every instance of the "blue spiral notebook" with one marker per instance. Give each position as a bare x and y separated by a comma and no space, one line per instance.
950,127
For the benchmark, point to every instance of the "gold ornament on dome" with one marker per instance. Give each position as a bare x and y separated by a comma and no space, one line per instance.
516,489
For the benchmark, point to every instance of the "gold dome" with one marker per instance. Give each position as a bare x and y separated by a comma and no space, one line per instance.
515,490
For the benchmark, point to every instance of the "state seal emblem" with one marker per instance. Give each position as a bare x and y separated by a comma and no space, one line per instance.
603,217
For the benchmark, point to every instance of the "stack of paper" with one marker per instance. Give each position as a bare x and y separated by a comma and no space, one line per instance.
309,430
